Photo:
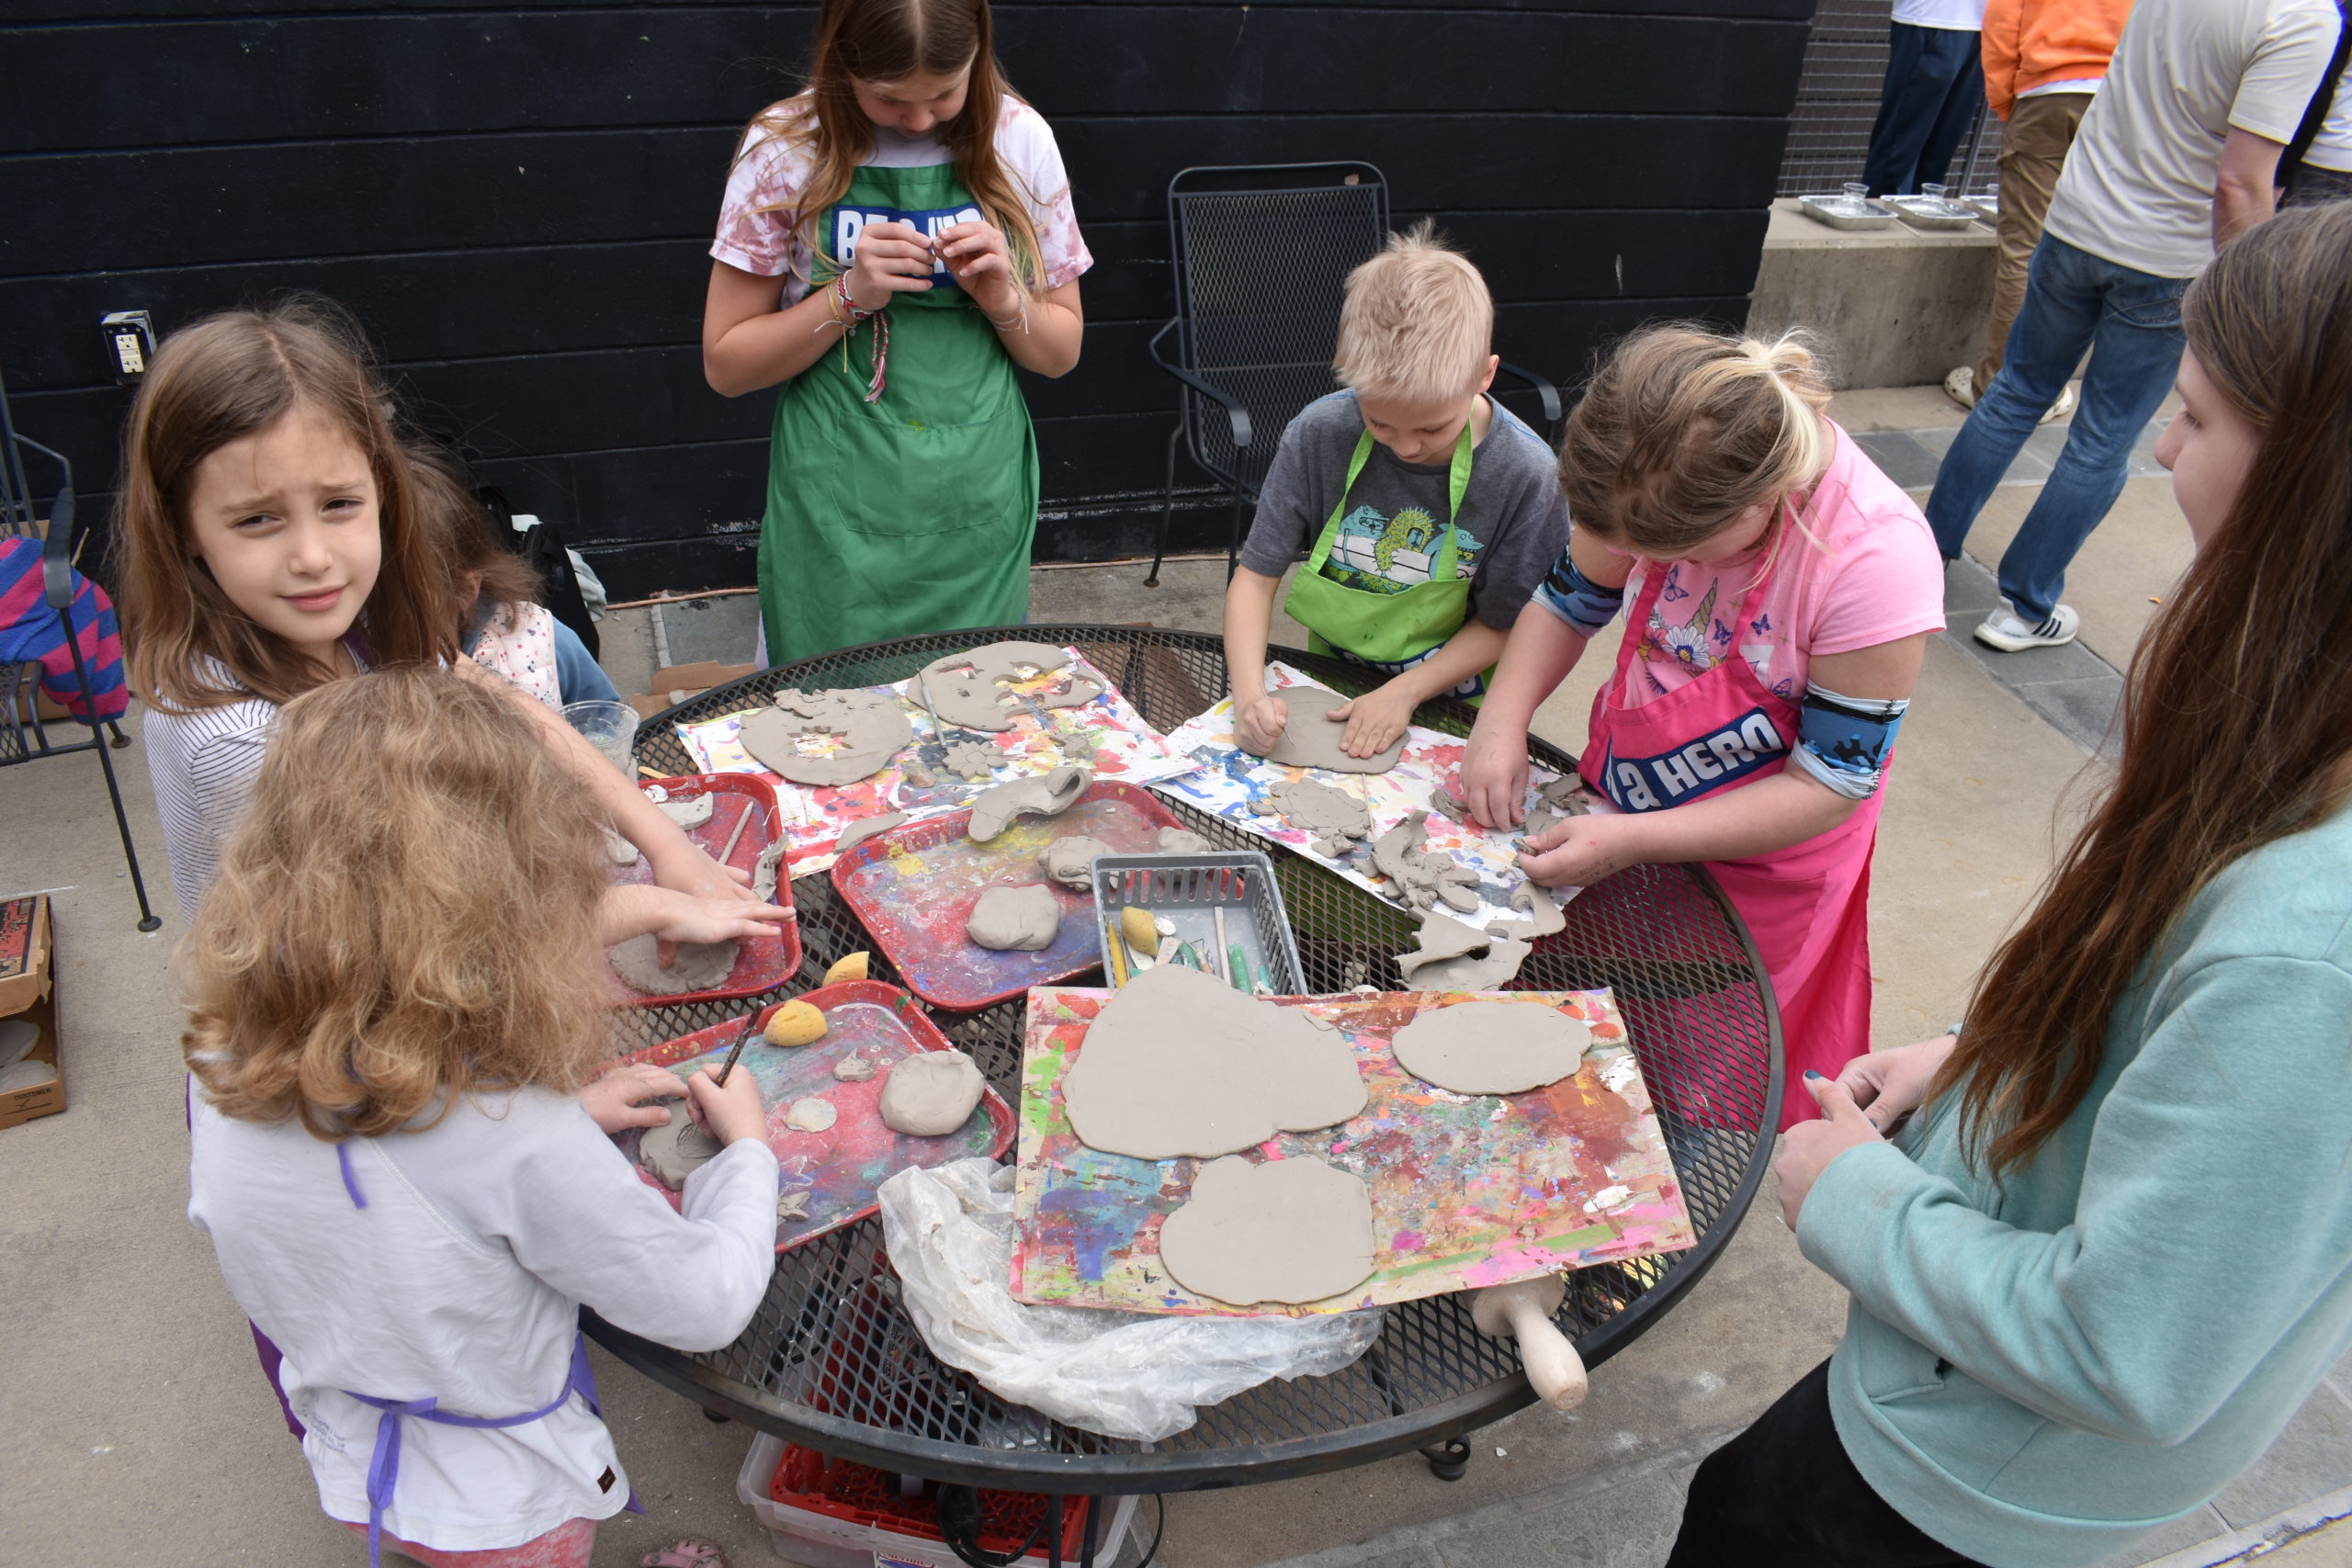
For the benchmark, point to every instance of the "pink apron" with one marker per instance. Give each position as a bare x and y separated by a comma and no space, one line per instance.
1808,906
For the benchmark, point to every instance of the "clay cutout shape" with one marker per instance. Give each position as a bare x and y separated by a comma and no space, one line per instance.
791,1206
1540,819
854,1068
1070,860
26,1074
1332,816
1543,916
1457,898
1451,956
677,1149
967,689
1289,1230
1491,1047
1049,796
870,727
1178,842
972,759
1569,795
811,1116
699,966
859,831
16,1037
1418,875
620,851
1180,1063
930,1093
1311,740
763,870
1015,919
686,813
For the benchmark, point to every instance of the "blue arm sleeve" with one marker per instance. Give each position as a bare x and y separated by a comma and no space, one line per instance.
1577,599
1842,741
577,676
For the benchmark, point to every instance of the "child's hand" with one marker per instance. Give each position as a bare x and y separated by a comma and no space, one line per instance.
683,866
1375,721
891,258
1257,724
1889,1085
732,1111
978,256
621,1097
671,917
1808,1148
1494,776
1577,852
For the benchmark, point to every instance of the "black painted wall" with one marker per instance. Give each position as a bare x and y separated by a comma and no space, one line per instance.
517,201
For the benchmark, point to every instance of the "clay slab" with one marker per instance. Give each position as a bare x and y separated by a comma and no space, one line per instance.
1177,841
811,1116
699,966
1491,1047
1451,956
1010,920
676,1150
686,813
1311,740
1180,1063
1048,795
1289,1230
865,827
967,689
871,729
930,1093
1320,810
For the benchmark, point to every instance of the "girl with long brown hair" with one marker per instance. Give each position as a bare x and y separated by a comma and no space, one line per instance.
895,239
2099,1243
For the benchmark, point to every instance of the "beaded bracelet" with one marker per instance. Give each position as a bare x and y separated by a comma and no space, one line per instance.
856,313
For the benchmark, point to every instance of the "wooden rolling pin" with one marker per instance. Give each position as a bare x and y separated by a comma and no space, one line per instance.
1524,1308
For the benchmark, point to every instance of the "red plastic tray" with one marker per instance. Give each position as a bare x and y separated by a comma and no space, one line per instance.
840,1168
761,962
913,887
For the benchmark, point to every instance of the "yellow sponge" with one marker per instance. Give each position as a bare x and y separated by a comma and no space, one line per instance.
795,1024
851,967
1135,925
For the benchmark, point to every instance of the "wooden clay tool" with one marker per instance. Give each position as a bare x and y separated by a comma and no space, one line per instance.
1524,1308
737,835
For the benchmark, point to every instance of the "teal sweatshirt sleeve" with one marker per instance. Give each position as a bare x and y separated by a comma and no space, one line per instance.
2214,1212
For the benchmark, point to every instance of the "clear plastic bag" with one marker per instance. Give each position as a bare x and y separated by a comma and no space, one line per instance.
1124,1374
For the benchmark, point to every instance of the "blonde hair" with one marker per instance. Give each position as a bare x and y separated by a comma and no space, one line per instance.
406,913
1683,429
1417,325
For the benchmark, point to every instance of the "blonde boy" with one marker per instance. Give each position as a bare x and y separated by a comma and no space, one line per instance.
1364,485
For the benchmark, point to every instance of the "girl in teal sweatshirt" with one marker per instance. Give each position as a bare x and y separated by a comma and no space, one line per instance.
2099,1243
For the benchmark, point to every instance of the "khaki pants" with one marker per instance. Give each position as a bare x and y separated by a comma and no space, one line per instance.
2033,149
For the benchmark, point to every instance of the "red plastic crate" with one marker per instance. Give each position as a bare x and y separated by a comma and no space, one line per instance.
860,1495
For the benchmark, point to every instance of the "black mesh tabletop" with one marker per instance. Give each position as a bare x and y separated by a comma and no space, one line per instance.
832,1361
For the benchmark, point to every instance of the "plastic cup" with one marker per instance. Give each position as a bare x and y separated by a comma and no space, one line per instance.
1934,193
611,728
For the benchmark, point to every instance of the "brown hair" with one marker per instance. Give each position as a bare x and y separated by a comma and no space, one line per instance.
885,42
407,912
1683,429
223,380
2237,717
1416,325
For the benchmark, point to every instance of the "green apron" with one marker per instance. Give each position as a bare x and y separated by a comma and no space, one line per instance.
914,514
1392,629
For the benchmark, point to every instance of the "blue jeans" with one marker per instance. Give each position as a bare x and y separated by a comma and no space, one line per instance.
2131,322
1935,85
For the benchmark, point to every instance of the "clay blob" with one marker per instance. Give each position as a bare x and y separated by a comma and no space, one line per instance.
811,1116
677,1149
1288,1230
699,966
1048,795
930,1093
619,849
1419,876
1015,919
916,774
967,689
972,759
863,828
1332,816
1070,860
1312,740
1452,956
763,870
686,813
1177,841
1180,1063
854,1068
870,727
1569,795
1543,916
1491,1047
791,1206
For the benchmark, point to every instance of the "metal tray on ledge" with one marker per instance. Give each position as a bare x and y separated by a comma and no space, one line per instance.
1838,211
1932,214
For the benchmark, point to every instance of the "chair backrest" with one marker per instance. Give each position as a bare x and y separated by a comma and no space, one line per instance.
1262,254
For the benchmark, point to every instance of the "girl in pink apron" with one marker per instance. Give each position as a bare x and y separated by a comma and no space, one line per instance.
1783,588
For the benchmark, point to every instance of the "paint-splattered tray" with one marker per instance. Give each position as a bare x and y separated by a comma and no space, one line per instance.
840,1168
761,962
913,887
1466,1189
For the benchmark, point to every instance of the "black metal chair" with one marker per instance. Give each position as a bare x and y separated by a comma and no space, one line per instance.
1261,255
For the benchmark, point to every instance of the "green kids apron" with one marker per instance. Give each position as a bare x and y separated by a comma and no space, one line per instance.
1391,629
912,514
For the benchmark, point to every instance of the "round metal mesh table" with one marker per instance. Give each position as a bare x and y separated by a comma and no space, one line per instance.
831,1360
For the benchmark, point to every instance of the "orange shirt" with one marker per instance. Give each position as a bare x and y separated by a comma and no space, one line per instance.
2028,42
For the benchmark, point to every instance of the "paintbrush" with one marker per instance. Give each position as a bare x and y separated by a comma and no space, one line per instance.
734,1052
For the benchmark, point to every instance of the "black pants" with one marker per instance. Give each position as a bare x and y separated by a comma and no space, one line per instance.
1784,1494
1935,85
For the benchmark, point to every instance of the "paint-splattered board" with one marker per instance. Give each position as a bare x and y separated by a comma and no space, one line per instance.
760,962
1231,783
913,887
1467,1190
840,1168
1105,736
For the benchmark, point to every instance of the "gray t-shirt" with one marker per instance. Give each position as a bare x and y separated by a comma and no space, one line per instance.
1514,521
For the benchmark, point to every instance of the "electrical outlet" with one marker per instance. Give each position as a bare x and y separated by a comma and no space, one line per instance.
131,343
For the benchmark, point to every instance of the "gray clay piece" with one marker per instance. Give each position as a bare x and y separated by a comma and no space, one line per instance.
967,689
1180,1063
811,1116
1070,860
1311,740
971,759
930,1093
699,966
1178,842
1491,1047
1330,815
1418,875
1538,820
1569,795
865,827
677,1149
1451,956
1543,916
1289,1230
763,870
854,1068
1049,795
1015,919
915,774
619,849
870,727
686,813
16,1037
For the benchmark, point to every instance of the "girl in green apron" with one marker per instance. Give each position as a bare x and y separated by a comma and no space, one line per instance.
894,239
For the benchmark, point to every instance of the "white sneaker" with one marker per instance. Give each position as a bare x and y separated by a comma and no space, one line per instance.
2002,629
2063,407
1961,386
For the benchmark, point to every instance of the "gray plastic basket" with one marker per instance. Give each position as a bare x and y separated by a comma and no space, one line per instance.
1188,890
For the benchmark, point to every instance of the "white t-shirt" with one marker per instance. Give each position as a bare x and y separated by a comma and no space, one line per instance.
771,173
2138,186
1955,15
2332,148
463,1280
2070,85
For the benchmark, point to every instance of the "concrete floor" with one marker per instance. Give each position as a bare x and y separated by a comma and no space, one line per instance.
135,1430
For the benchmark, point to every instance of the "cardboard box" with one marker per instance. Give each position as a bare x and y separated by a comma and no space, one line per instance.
674,683
28,995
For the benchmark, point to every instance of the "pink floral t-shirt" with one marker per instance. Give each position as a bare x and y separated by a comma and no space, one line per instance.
771,171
